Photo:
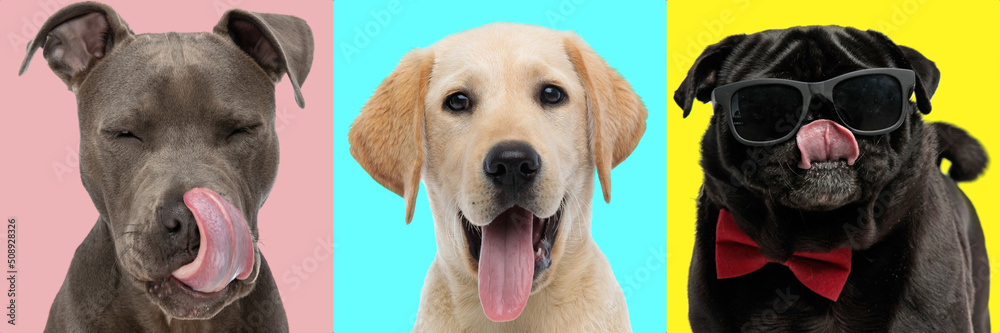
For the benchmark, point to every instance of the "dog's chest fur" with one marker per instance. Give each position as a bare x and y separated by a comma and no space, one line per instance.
916,278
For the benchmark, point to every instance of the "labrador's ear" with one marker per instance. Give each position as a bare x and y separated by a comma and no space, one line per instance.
387,138
278,43
703,75
76,38
617,117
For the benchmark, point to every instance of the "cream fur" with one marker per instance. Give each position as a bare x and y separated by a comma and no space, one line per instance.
404,135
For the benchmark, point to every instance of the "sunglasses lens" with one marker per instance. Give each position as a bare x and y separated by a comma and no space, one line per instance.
766,112
870,102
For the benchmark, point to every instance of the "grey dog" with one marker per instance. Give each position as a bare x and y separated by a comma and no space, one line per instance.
178,152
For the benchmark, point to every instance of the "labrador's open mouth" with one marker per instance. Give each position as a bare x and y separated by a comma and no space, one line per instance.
512,250
543,235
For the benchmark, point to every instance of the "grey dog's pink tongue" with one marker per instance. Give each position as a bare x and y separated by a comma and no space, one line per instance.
824,140
226,251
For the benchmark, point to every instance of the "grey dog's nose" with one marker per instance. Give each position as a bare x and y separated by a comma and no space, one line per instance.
511,165
179,223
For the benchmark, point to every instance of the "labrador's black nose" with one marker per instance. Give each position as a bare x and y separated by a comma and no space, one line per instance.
511,165
179,225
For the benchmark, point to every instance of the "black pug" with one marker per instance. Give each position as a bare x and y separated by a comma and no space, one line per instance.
827,199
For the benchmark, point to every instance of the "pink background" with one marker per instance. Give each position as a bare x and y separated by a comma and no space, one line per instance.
40,181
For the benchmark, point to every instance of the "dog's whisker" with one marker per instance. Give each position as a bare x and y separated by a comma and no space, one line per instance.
121,255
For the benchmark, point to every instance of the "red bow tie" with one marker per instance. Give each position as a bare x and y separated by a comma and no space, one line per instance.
737,255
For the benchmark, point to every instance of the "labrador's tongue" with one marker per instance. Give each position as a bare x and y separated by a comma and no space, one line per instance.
506,264
226,250
824,140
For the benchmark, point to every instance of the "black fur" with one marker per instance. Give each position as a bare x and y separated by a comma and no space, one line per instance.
919,260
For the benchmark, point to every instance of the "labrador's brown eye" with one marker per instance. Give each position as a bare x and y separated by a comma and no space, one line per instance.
457,102
552,95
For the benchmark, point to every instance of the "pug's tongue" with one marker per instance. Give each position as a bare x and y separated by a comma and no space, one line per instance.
226,250
506,264
824,140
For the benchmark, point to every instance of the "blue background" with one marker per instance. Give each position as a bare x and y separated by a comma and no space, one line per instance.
380,262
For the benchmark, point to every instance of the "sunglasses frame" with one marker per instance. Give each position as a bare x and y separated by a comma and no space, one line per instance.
905,77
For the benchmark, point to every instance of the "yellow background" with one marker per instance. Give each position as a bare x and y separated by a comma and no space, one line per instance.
961,37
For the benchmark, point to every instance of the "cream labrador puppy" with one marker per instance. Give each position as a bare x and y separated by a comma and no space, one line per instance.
505,125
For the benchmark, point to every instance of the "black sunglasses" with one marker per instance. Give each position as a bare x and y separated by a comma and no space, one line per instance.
767,111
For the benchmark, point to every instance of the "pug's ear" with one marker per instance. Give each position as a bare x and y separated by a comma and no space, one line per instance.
617,115
703,75
278,43
926,72
928,77
76,38
387,138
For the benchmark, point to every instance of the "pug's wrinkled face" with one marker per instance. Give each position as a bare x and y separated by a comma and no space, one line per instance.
778,171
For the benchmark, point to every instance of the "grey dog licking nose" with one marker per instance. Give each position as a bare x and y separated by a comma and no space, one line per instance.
178,151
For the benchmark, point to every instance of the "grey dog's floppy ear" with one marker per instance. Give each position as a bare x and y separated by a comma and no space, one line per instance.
387,138
703,75
75,38
617,115
278,43
927,73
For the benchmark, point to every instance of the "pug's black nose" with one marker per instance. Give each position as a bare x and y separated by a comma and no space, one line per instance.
511,165
179,224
